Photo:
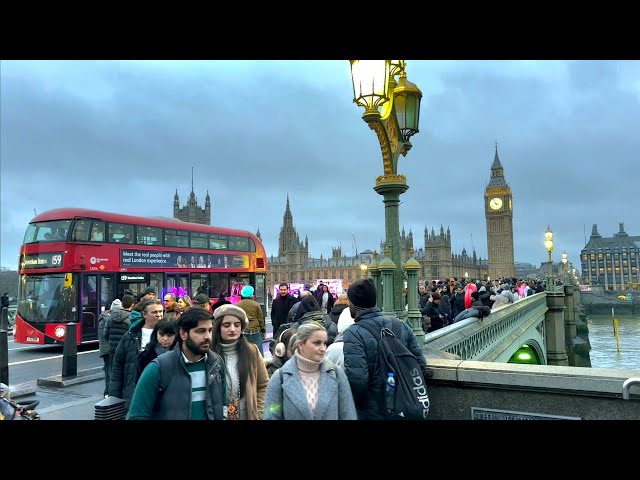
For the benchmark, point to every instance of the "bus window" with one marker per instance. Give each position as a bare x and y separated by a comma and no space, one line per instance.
97,232
120,233
81,231
239,243
149,236
199,283
107,292
237,282
219,284
218,242
89,305
198,240
176,238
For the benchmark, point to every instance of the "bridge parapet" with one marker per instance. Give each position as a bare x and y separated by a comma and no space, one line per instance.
498,336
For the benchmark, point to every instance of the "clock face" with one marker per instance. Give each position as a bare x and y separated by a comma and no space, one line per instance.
495,203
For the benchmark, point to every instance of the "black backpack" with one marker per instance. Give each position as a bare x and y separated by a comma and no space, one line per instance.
411,400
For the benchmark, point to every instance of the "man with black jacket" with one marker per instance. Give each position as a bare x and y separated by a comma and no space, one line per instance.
281,306
361,363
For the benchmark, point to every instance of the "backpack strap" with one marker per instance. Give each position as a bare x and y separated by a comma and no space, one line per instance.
395,329
371,330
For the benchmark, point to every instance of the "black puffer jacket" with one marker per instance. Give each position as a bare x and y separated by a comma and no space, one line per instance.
117,325
124,367
361,361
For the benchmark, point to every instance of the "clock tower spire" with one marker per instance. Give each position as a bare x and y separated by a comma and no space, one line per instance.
498,207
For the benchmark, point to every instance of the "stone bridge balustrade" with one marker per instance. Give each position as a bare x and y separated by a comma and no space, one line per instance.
497,337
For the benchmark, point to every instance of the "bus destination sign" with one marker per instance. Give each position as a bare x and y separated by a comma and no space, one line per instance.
163,259
42,260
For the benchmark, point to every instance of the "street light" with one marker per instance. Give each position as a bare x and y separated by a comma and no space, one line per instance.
392,111
564,267
363,267
548,244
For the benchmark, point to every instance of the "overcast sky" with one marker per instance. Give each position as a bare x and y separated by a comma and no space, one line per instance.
122,136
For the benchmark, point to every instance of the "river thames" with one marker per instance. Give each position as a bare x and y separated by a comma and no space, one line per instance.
604,352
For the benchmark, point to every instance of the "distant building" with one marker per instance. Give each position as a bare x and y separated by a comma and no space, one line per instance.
611,262
192,212
293,264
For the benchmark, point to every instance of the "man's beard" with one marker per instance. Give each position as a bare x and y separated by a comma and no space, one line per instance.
194,347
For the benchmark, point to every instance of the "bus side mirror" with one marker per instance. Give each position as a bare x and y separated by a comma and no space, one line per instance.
68,280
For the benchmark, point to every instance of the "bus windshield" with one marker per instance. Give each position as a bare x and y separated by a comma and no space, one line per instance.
44,298
55,231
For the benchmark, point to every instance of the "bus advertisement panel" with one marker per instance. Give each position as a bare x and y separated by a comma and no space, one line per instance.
75,262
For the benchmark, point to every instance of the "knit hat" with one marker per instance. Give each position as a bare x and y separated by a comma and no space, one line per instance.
247,291
230,309
148,290
201,299
362,293
116,304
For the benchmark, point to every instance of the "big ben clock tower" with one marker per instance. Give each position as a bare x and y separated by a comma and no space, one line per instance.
498,207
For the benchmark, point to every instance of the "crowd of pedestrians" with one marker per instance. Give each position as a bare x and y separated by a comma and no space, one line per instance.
193,358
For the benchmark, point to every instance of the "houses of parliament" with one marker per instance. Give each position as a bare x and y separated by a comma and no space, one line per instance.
293,264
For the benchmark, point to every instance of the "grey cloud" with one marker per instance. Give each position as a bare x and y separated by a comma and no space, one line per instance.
568,149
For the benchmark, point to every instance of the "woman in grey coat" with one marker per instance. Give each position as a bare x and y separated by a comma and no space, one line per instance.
308,386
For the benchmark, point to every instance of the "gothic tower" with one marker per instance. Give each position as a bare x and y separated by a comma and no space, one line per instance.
192,212
498,209
289,244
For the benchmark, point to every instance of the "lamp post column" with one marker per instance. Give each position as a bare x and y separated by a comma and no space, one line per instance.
388,270
414,318
391,191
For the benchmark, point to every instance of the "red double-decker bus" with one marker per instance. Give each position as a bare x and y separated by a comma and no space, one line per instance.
75,262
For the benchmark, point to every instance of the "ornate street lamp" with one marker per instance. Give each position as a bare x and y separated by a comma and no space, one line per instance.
548,244
363,267
392,111
564,267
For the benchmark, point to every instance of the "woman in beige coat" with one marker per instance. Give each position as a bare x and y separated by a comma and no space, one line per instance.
247,377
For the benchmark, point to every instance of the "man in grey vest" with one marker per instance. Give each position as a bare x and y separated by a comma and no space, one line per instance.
187,383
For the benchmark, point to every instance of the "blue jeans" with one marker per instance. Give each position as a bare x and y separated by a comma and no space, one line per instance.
255,338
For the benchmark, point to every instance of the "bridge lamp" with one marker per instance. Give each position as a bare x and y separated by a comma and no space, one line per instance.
392,110
564,266
363,267
548,244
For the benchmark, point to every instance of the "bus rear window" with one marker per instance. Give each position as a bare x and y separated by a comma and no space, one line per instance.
55,231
